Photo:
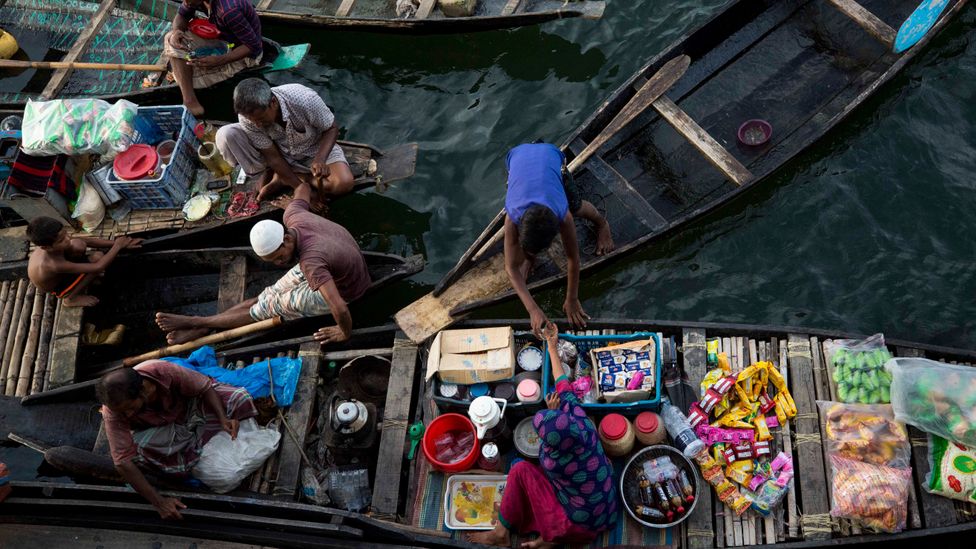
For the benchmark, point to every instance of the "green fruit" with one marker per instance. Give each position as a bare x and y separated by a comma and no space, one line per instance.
873,381
874,396
863,396
885,394
842,392
885,376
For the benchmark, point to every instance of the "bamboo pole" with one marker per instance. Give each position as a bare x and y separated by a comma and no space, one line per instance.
14,64
7,327
20,338
30,348
218,337
4,293
44,344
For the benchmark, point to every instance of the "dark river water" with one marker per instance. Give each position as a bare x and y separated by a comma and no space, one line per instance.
870,230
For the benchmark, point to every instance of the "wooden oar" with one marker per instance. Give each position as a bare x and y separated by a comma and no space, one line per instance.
218,337
918,23
13,64
649,92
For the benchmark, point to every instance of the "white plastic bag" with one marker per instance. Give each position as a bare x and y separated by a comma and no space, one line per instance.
937,398
224,463
89,209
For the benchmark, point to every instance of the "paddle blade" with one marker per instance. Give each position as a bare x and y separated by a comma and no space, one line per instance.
918,23
289,57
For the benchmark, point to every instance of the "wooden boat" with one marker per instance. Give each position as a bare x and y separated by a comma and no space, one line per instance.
801,65
402,488
381,15
193,282
109,32
370,166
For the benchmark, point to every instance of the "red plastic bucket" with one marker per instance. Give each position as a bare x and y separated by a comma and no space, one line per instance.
443,424
136,162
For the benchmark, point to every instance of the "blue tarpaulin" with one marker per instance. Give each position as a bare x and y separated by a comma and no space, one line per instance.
254,378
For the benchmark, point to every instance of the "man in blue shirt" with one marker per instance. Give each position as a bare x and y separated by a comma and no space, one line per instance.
541,201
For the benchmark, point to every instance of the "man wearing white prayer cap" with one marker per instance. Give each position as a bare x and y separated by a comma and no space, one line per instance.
330,273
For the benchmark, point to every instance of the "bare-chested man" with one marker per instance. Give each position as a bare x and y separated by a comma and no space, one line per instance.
61,265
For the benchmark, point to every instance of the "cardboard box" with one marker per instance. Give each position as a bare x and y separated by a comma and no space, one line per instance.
472,356
624,360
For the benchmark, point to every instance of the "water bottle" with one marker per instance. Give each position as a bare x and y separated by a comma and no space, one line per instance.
680,430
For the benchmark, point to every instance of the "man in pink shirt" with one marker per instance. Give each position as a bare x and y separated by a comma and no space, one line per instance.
157,417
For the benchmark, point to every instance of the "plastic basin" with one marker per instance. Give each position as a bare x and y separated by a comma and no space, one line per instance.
443,424
749,132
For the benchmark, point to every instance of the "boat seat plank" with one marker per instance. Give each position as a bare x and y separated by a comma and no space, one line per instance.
815,520
511,7
629,196
937,511
701,140
426,7
60,76
344,8
866,20
396,414
233,282
264,5
290,461
701,533
64,346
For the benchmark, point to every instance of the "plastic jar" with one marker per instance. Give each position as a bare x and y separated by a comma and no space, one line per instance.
617,435
649,429
528,391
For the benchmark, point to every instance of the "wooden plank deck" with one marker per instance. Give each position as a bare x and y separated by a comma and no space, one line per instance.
700,530
298,417
396,414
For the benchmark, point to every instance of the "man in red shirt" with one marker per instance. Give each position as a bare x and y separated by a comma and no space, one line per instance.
331,272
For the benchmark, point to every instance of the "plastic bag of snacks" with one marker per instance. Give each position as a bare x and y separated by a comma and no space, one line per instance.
865,432
937,398
952,470
870,464
78,126
859,369
875,495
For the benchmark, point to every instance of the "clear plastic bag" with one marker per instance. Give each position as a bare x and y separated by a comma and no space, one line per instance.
89,209
937,398
875,495
78,126
865,432
859,369
224,463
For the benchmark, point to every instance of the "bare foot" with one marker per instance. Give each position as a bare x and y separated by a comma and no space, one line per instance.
537,543
270,190
491,537
182,336
168,322
604,240
83,300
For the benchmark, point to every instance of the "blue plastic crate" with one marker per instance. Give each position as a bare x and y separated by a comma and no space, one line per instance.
586,343
172,187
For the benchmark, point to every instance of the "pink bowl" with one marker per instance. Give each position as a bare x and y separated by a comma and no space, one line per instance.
748,133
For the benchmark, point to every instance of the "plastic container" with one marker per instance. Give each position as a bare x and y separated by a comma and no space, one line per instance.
680,430
505,391
490,459
617,435
587,342
445,424
529,359
529,391
349,488
478,390
165,151
649,429
137,162
470,501
630,490
170,187
755,132
211,158
449,390
527,439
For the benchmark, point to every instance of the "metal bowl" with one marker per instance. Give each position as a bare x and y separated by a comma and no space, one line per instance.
527,438
630,490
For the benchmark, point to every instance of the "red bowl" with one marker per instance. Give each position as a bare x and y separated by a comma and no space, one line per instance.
443,424
204,29
748,130
136,162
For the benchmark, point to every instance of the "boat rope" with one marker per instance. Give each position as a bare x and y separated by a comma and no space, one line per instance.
815,523
288,429
806,438
394,423
807,415
693,533
919,441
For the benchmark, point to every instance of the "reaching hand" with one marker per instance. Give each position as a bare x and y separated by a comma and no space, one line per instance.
177,40
135,243
320,169
169,508
552,401
122,242
330,334
575,313
208,62
538,320
551,333
231,426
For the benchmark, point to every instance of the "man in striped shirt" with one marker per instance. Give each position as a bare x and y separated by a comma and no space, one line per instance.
239,28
